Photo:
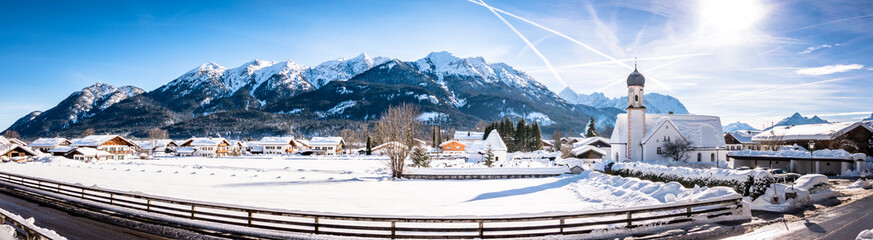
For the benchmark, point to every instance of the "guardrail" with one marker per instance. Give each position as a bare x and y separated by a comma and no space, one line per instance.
28,232
390,226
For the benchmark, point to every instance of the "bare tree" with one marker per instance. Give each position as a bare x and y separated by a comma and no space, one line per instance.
556,139
157,133
350,137
88,132
11,134
398,124
676,149
480,126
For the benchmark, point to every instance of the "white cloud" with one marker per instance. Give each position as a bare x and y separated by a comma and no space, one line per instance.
813,48
829,69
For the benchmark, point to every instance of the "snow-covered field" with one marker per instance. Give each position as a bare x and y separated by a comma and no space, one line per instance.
357,185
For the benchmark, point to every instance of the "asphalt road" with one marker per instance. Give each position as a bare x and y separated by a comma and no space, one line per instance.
69,226
837,223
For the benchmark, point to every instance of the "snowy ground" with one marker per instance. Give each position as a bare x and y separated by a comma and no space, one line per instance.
357,185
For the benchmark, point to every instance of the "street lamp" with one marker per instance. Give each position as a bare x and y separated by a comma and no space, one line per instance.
811,145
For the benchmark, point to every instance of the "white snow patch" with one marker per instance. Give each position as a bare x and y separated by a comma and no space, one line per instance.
342,106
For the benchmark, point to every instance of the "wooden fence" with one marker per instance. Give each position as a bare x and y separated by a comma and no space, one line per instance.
28,232
391,226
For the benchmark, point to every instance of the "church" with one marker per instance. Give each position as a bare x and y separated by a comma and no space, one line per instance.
638,136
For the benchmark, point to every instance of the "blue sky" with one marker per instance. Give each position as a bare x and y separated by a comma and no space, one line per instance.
754,61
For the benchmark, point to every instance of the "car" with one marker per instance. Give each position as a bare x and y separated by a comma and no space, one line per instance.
783,176
743,168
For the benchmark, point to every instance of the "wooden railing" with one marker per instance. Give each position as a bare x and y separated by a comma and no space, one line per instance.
514,226
28,232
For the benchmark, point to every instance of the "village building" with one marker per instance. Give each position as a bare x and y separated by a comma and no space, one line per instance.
381,149
17,152
204,147
278,145
60,150
638,136
46,144
548,145
741,140
88,154
156,146
326,145
453,147
478,149
117,147
593,148
468,137
236,148
854,137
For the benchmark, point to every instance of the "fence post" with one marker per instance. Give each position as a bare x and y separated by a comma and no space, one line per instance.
192,211
481,229
688,211
59,187
393,231
111,199
83,193
39,184
316,224
148,205
629,219
562,225
250,217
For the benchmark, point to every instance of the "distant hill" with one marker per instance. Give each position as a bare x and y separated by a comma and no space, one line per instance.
654,102
797,119
738,126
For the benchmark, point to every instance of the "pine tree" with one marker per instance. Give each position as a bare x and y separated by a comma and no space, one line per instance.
369,146
537,138
419,157
433,136
592,132
489,156
521,136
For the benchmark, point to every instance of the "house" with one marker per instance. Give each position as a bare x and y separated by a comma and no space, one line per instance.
157,145
492,142
89,154
17,152
548,145
236,147
381,149
326,145
638,136
854,137
278,145
468,137
116,146
17,142
46,144
207,147
596,148
453,147
741,140
60,150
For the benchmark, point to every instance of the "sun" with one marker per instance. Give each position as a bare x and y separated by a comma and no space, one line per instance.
730,20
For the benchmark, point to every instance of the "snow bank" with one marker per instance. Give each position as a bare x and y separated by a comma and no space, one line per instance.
865,235
748,182
861,184
8,231
485,171
807,189
789,152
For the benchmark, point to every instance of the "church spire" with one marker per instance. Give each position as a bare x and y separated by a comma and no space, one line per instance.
635,64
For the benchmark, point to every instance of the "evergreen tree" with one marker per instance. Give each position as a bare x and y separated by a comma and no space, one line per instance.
433,136
369,146
592,132
536,138
419,157
489,156
521,137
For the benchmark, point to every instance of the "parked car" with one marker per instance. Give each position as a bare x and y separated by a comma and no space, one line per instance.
783,176
743,168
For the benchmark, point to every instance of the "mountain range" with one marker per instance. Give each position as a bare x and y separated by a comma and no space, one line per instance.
271,98
797,119
654,102
738,126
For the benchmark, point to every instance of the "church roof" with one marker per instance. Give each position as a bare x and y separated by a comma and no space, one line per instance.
636,79
700,130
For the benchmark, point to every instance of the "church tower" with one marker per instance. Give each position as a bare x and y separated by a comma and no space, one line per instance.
636,115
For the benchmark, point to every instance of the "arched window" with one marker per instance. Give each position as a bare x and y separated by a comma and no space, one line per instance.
712,157
636,98
659,150
699,156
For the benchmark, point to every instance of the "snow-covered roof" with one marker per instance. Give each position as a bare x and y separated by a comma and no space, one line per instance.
493,140
277,141
205,142
468,135
744,136
9,147
185,150
700,130
48,142
91,152
824,131
61,149
452,141
392,143
585,148
96,140
332,141
589,141
16,141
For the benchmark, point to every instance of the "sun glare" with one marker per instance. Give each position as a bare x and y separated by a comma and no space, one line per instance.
730,20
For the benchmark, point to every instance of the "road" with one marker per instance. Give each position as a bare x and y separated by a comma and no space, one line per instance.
69,226
842,222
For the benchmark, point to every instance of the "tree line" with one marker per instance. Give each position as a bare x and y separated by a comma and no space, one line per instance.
518,136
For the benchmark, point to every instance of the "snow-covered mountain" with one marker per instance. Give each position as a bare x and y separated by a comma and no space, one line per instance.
797,119
341,69
738,126
869,118
79,105
654,102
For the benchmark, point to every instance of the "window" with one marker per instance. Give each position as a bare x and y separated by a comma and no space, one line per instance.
636,98
698,157
659,150
712,157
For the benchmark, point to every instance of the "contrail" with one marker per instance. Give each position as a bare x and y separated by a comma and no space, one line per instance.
787,87
831,22
613,60
529,44
624,60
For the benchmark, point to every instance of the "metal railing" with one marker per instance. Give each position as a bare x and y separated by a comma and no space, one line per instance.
513,226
